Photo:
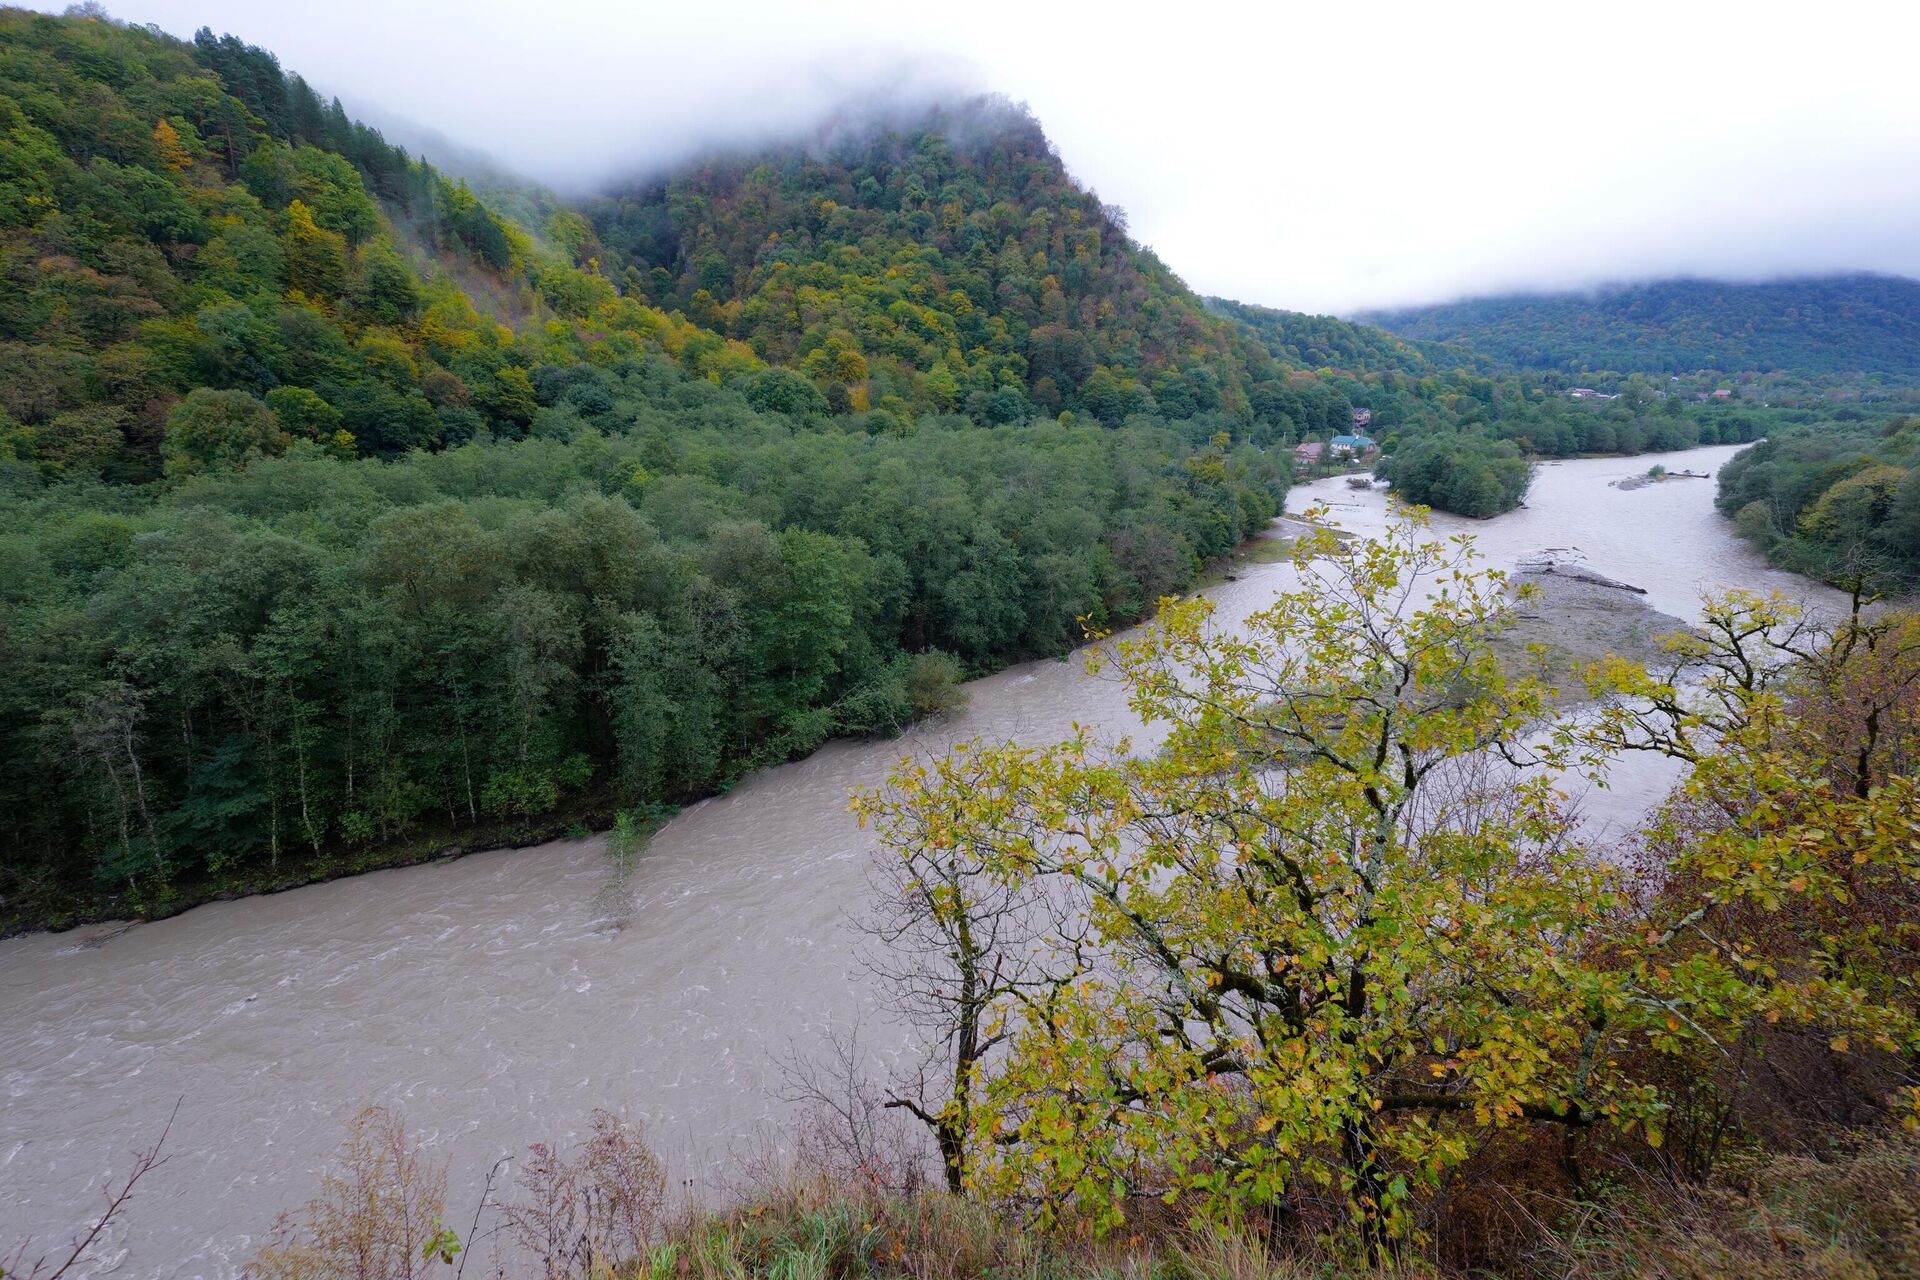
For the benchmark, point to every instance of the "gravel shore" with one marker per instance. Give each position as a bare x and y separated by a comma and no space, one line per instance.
1578,617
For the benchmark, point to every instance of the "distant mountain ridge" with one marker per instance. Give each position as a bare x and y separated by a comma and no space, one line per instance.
1328,342
1851,323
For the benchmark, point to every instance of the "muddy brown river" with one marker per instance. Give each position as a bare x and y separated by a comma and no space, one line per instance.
496,1000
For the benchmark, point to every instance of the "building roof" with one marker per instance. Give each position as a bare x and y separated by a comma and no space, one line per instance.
1352,442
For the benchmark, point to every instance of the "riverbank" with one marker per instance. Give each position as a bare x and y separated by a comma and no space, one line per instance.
581,814
1273,545
1850,1209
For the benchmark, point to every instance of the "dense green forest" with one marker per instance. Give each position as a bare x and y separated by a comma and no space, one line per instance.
341,509
1467,475
249,667
1846,324
1840,501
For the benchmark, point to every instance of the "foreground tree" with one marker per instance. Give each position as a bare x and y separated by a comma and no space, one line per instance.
1344,929
1322,934
1785,904
956,944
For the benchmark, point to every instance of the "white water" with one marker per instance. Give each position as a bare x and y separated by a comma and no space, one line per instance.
496,1000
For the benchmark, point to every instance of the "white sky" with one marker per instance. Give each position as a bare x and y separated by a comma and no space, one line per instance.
1325,156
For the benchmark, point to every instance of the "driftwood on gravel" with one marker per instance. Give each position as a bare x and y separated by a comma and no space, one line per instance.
1576,573
1577,616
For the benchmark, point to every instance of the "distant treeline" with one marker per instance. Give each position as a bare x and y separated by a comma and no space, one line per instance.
1324,342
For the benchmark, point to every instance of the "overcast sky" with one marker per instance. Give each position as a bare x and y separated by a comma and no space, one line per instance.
1327,156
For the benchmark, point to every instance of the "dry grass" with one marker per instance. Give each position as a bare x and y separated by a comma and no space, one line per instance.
810,1228
377,1217
1851,1215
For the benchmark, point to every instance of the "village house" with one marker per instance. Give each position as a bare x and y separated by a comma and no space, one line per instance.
1362,419
1350,446
1308,454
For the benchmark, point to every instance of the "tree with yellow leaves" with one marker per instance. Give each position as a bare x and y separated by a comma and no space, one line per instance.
1785,914
166,140
1345,928
316,257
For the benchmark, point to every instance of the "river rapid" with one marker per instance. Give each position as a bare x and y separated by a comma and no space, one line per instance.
496,1000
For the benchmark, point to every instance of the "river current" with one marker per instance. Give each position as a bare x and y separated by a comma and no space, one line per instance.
497,999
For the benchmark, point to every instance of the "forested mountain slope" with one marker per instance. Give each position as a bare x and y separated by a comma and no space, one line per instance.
944,263
1322,342
187,215
178,217
1827,324
341,512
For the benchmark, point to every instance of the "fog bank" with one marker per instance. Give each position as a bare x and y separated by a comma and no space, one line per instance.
1374,156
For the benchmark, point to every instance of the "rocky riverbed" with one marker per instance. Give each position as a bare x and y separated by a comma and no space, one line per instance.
1577,615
